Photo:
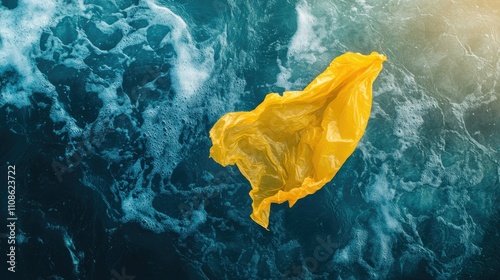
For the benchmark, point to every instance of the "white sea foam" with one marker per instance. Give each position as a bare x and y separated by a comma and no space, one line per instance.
16,48
307,40
59,115
380,235
306,44
75,256
192,67
137,206
162,124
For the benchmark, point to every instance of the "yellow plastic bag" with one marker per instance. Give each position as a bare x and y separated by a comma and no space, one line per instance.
290,146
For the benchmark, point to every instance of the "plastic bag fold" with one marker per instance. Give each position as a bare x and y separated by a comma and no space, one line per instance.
290,146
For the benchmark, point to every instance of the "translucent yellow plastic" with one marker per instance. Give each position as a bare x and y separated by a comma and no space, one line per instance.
290,146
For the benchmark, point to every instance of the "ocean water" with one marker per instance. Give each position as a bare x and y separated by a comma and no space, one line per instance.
106,107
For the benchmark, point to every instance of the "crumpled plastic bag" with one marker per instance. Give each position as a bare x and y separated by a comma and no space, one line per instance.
290,146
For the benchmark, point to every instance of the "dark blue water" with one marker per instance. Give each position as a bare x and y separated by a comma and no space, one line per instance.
106,107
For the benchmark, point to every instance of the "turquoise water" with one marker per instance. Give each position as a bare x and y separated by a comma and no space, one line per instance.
106,108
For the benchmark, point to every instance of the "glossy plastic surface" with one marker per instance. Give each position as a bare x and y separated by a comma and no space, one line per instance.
290,146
